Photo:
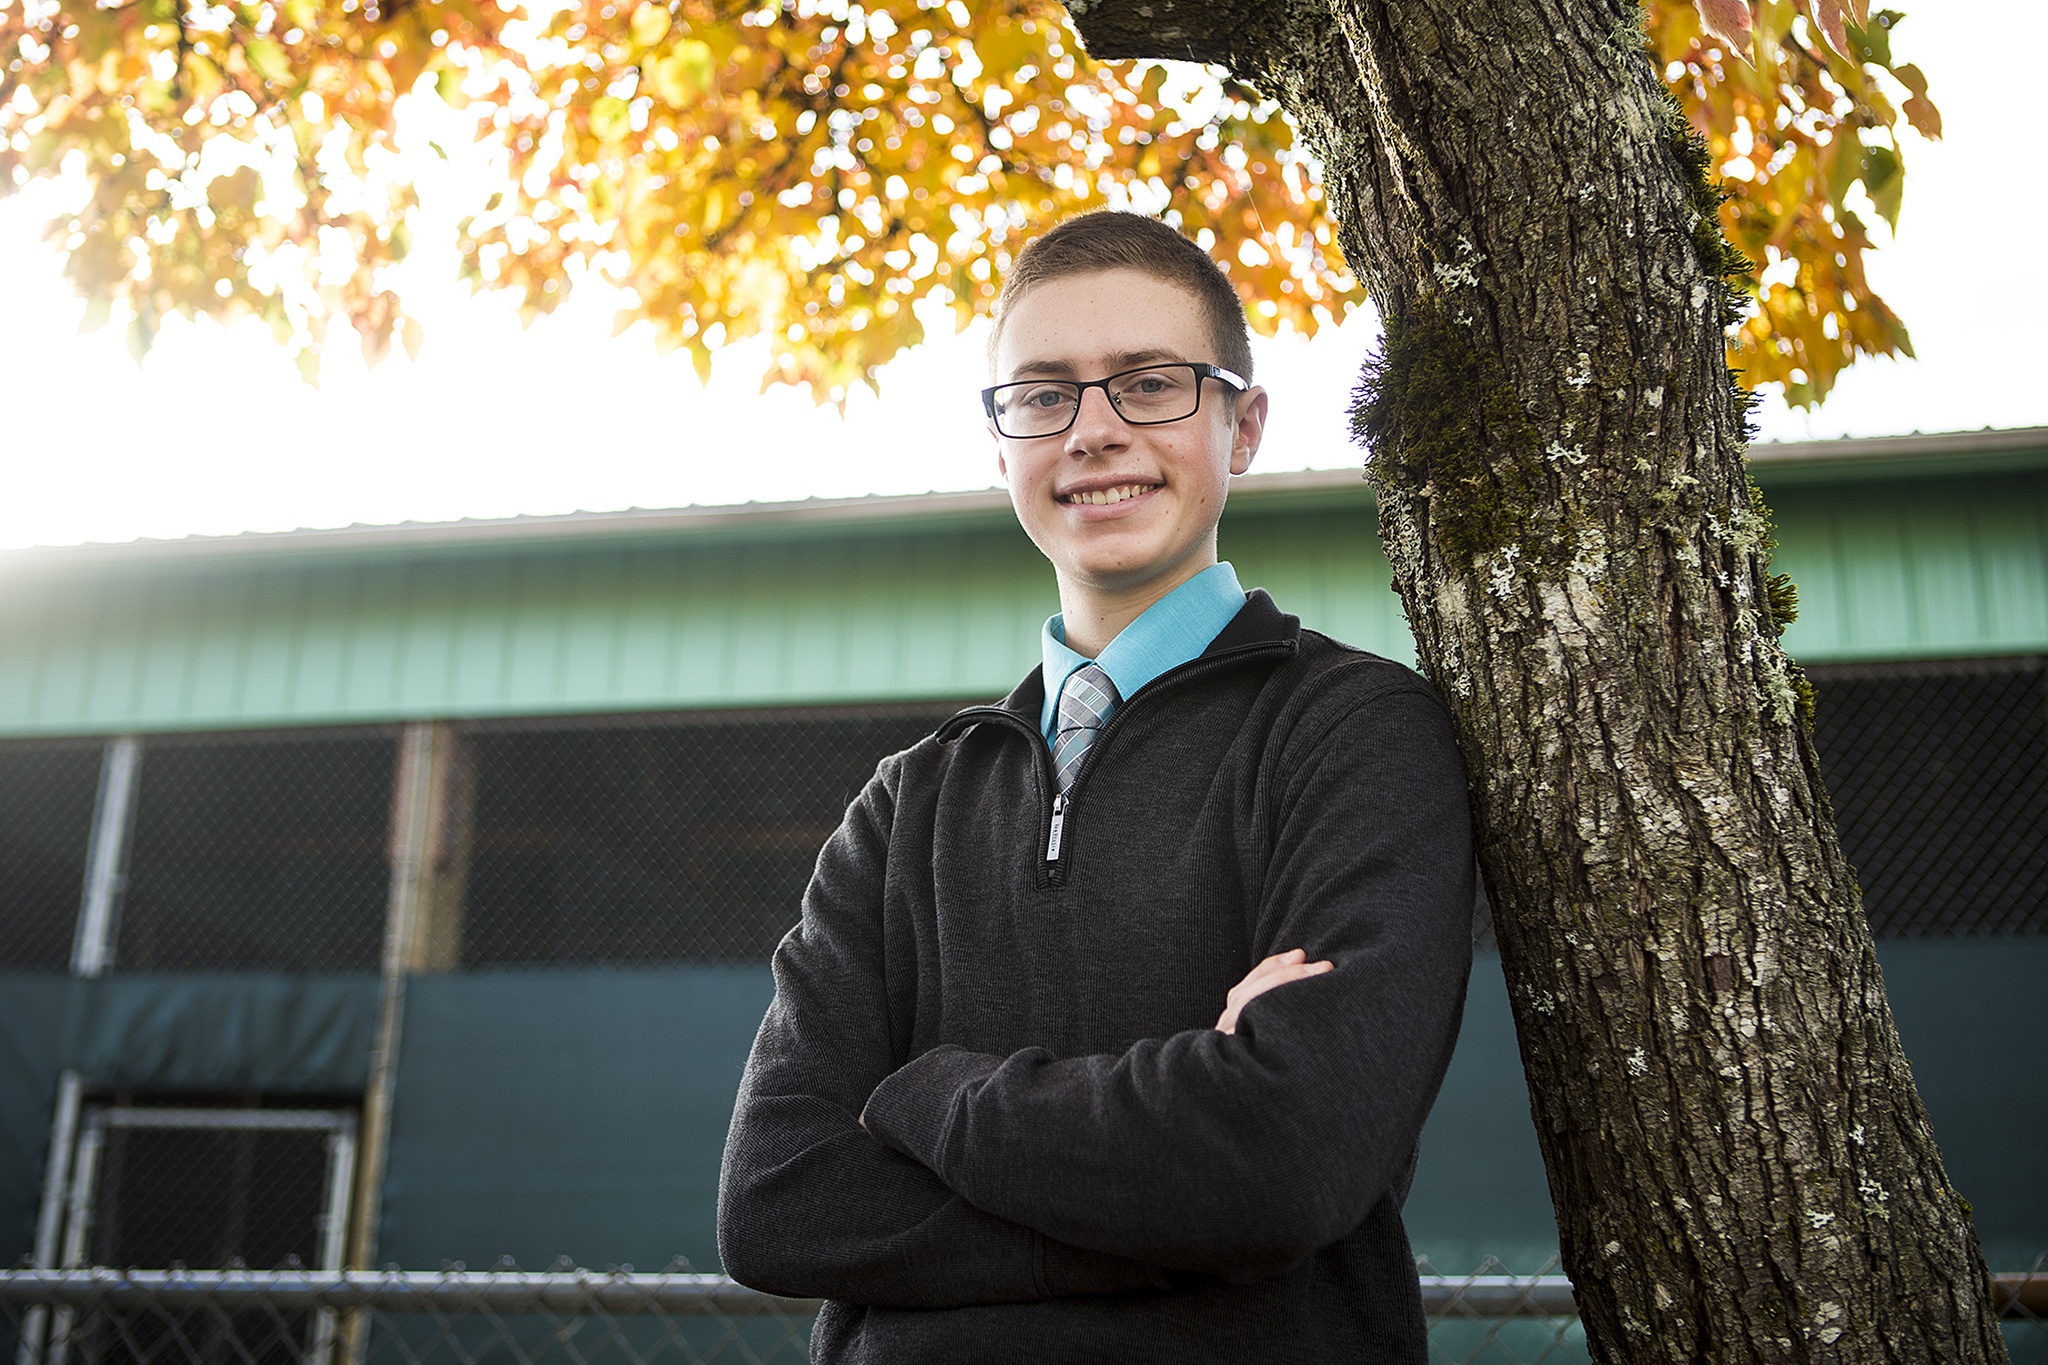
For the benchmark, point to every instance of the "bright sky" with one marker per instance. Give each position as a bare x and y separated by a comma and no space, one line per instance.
216,434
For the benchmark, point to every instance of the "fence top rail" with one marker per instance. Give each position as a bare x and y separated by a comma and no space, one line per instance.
618,1292
670,1292
455,1291
165,1116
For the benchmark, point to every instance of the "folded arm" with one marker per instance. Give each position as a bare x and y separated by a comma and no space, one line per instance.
1235,1152
809,1205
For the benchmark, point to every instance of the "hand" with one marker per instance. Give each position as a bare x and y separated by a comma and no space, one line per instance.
1277,970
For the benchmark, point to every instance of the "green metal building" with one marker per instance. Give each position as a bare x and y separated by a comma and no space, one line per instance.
404,894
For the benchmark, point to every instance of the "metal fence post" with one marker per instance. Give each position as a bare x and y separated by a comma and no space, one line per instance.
429,849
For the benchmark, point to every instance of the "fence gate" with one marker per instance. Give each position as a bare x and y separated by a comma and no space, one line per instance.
209,1188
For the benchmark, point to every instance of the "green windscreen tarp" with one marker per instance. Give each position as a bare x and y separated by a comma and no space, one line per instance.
542,1114
578,1113
236,1033
1967,1013
582,1113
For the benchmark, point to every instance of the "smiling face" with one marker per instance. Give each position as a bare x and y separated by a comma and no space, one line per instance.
1125,513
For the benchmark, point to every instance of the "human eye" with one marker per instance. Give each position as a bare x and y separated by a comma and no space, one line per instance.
1031,397
1153,388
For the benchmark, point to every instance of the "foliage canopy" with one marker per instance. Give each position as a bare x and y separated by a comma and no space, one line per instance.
812,169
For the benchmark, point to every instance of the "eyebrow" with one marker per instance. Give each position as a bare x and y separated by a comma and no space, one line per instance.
1118,362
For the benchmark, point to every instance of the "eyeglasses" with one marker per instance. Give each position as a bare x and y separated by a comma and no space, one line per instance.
1144,397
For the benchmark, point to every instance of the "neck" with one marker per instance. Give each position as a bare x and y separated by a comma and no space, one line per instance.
1092,616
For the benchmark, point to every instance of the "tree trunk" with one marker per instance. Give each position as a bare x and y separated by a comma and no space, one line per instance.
1741,1167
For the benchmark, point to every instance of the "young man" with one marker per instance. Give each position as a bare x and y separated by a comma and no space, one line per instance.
1116,1008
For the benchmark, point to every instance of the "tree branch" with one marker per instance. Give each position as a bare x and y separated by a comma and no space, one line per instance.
1210,31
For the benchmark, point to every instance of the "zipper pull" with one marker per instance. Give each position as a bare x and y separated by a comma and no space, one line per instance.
1059,820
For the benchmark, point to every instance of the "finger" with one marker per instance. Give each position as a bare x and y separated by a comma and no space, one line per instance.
1277,962
1296,972
1247,992
1256,985
1282,966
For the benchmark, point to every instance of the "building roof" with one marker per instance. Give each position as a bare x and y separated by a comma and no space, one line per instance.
1775,463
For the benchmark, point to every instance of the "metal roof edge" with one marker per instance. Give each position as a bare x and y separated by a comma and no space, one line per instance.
923,511
1972,451
636,523
1987,450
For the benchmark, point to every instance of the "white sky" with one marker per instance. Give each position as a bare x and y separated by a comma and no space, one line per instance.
216,434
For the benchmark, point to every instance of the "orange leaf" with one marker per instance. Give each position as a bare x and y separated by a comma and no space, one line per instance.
1919,110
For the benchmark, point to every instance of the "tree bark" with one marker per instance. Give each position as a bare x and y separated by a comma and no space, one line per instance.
1741,1166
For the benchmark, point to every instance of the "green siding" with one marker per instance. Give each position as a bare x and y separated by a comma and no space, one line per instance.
1917,568
1327,568
535,630
1902,567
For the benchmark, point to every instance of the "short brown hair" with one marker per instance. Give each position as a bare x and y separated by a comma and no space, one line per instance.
1111,240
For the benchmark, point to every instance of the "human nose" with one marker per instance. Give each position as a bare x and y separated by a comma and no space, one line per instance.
1097,424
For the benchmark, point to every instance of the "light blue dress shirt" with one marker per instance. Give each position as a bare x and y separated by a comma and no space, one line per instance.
1170,632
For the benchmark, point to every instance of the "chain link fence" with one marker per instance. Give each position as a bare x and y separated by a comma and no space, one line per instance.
210,1185
258,853
1939,775
688,837
674,838
47,791
576,1317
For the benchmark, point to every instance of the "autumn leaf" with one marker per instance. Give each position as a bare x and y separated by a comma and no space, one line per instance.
813,175
1728,20
1832,18
1919,110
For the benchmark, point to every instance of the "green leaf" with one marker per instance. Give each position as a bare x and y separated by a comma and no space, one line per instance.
1885,181
1873,43
1843,159
608,119
268,60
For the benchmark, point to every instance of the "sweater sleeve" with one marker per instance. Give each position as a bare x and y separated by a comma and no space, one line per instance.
809,1204
1243,1153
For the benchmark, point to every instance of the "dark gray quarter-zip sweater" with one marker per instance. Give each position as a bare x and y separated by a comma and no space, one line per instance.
988,1115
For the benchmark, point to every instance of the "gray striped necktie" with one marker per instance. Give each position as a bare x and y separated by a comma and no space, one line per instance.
1085,703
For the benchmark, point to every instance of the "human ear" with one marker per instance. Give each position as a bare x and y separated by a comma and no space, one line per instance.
1248,430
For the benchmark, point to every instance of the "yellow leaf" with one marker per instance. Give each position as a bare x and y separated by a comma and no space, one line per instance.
650,24
236,190
685,73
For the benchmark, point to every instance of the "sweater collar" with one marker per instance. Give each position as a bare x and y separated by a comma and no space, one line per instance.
1258,623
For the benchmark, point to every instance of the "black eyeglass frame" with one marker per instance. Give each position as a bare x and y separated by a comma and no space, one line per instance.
1203,370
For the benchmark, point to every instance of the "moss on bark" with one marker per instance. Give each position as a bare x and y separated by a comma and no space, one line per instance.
1436,412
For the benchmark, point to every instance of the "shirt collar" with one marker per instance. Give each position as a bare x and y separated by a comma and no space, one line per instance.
1173,630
